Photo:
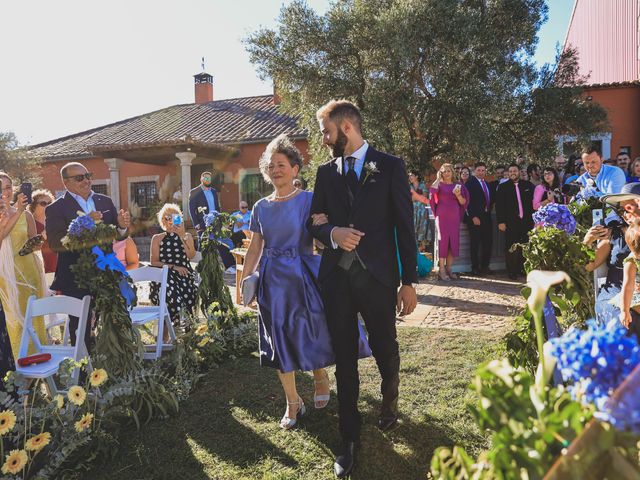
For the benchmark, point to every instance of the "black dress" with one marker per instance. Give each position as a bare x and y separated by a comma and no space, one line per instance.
6,357
181,290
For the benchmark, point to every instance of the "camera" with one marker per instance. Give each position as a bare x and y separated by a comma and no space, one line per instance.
571,189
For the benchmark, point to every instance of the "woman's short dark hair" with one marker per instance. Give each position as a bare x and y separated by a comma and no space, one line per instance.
281,144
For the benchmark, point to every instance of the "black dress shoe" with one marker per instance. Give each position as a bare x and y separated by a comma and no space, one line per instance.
387,422
474,272
344,462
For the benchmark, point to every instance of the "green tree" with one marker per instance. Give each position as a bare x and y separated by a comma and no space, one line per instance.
17,161
435,79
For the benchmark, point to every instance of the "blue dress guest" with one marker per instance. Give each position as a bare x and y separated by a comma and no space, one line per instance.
293,332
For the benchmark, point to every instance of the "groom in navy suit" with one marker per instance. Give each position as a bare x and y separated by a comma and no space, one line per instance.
365,195
79,197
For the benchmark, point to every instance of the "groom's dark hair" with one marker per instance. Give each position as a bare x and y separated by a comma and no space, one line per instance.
339,110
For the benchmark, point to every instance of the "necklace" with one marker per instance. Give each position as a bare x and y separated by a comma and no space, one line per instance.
283,197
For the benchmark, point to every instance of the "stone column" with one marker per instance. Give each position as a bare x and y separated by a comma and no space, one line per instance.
114,165
186,159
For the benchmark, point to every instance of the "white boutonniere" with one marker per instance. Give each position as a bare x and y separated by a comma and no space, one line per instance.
591,182
370,169
202,209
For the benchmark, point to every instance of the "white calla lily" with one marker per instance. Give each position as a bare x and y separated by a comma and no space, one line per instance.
540,282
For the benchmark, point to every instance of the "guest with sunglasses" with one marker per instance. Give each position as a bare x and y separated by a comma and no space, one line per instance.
79,197
41,200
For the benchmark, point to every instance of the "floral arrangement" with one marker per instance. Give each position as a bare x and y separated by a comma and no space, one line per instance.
212,288
100,272
531,423
51,434
555,215
595,361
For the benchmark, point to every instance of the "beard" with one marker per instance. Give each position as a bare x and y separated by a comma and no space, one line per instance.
337,149
206,183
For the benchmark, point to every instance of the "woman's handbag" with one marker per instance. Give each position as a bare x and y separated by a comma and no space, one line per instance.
250,288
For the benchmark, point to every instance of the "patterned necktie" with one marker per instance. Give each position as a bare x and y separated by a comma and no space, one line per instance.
352,177
487,200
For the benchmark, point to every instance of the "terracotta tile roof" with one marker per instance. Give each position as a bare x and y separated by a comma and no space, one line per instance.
221,122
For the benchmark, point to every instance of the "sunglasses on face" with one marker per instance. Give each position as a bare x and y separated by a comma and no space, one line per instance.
80,178
243,208
43,203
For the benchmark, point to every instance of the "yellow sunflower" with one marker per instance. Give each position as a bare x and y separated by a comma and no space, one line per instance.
77,395
16,461
59,399
202,329
98,377
38,442
7,421
84,422
203,342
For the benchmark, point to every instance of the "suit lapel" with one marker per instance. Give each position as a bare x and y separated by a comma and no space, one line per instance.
72,203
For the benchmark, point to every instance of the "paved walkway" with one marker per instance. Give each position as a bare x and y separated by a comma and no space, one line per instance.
468,303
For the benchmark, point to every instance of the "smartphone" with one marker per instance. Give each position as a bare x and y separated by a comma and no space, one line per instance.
27,188
597,216
177,219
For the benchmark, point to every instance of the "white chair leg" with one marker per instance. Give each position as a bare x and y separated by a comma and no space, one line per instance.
51,385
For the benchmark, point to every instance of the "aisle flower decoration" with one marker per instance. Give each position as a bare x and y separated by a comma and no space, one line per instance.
99,271
595,362
212,288
77,395
555,215
38,442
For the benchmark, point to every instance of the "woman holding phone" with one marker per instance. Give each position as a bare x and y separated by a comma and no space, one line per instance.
175,248
20,275
449,200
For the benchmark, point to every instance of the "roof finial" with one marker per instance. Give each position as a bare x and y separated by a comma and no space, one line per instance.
202,64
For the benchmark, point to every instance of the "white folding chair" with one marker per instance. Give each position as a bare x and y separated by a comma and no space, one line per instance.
158,314
59,304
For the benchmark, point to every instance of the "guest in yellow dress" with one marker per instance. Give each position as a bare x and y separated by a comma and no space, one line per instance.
20,276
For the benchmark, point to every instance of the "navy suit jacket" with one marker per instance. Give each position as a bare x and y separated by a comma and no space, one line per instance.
381,209
477,201
58,216
198,199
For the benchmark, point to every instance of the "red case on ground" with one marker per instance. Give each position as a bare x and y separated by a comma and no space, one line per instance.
34,359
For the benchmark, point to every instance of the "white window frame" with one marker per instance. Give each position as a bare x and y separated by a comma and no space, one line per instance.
605,138
146,178
106,182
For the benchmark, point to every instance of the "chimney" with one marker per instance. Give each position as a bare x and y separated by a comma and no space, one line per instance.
204,87
276,97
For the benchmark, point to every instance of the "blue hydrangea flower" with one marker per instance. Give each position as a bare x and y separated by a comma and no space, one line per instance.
210,217
586,193
555,215
80,225
594,362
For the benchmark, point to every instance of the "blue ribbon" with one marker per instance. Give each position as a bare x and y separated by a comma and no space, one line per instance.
111,262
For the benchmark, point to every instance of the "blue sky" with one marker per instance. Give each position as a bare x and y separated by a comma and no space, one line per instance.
71,65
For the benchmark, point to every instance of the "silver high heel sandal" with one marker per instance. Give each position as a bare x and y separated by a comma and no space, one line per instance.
288,423
321,401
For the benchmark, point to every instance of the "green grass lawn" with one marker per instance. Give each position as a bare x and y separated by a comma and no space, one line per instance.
228,429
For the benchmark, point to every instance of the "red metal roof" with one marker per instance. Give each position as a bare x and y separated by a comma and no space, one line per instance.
607,37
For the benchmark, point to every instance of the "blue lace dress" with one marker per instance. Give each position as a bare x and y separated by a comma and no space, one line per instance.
293,332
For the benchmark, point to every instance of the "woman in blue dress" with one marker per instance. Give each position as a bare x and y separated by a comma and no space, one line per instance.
292,326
